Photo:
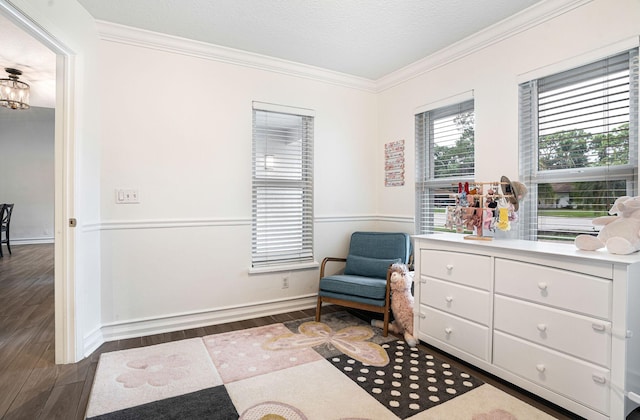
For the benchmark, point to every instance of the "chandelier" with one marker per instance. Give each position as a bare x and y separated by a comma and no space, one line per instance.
14,94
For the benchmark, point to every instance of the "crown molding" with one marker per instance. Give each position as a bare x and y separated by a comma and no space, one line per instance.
511,26
127,35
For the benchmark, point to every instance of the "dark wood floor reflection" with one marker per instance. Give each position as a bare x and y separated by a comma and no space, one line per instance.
32,386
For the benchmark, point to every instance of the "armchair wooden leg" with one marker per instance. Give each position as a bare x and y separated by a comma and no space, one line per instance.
385,328
318,309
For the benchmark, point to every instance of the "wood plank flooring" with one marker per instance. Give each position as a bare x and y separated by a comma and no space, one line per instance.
32,386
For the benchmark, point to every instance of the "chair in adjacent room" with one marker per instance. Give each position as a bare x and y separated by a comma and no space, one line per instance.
365,282
5,224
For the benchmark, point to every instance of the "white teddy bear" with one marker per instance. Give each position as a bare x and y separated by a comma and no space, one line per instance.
401,304
619,234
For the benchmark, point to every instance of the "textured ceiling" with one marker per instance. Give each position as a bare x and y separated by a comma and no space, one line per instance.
366,38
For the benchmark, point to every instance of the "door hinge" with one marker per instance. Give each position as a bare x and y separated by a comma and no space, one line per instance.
73,222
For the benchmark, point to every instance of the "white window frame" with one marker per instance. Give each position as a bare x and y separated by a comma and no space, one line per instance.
429,211
532,176
282,188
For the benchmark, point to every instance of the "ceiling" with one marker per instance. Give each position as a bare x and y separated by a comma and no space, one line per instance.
363,38
21,51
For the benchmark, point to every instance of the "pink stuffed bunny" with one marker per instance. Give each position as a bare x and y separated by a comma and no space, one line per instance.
401,304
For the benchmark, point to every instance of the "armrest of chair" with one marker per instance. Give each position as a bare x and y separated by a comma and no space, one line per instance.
330,259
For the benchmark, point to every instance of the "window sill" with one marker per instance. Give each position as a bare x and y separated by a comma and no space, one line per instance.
284,267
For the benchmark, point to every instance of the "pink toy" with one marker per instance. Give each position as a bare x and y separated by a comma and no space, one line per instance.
401,304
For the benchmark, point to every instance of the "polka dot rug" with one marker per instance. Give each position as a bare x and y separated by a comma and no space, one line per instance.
412,382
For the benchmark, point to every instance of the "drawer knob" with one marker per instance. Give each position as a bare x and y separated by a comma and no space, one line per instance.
449,267
449,299
598,327
423,316
540,367
542,327
542,285
448,330
598,379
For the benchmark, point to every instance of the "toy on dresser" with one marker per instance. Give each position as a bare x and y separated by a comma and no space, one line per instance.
619,234
401,304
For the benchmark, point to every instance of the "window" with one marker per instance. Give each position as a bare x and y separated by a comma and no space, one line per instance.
282,228
578,145
444,157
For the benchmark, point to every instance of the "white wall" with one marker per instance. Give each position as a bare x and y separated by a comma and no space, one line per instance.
178,128
26,150
493,73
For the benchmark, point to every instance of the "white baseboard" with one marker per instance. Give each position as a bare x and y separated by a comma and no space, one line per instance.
31,241
141,328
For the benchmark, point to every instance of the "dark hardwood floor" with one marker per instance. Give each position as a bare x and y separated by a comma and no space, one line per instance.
32,386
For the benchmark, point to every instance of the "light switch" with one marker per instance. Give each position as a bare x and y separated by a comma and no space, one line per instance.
127,196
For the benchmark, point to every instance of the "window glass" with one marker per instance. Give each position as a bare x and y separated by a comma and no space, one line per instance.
578,145
444,158
282,229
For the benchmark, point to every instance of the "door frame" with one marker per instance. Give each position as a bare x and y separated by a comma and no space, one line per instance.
68,347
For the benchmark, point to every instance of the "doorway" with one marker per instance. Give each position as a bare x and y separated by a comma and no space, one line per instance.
24,36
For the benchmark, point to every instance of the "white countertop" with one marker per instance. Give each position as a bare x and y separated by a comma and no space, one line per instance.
551,248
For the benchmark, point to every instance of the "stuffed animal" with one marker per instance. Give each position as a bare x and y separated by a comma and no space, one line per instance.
619,234
401,304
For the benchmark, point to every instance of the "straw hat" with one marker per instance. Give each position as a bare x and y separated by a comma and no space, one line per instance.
516,191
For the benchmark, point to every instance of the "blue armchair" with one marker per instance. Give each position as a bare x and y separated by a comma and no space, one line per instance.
365,282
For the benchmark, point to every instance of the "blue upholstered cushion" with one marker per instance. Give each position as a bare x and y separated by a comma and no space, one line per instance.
368,267
366,287
381,245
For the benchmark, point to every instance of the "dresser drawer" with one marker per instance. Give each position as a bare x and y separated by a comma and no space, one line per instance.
551,286
468,269
467,302
467,336
581,381
581,336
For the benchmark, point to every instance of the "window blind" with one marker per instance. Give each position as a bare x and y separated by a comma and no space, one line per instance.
282,192
578,145
444,156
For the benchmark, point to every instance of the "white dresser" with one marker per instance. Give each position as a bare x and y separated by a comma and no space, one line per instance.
556,321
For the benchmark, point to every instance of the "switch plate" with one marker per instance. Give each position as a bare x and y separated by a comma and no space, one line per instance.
127,196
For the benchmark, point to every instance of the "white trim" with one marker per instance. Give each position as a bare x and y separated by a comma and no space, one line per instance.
92,342
185,321
165,224
396,219
513,25
67,340
284,267
32,241
345,219
283,109
197,223
450,100
580,60
172,44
